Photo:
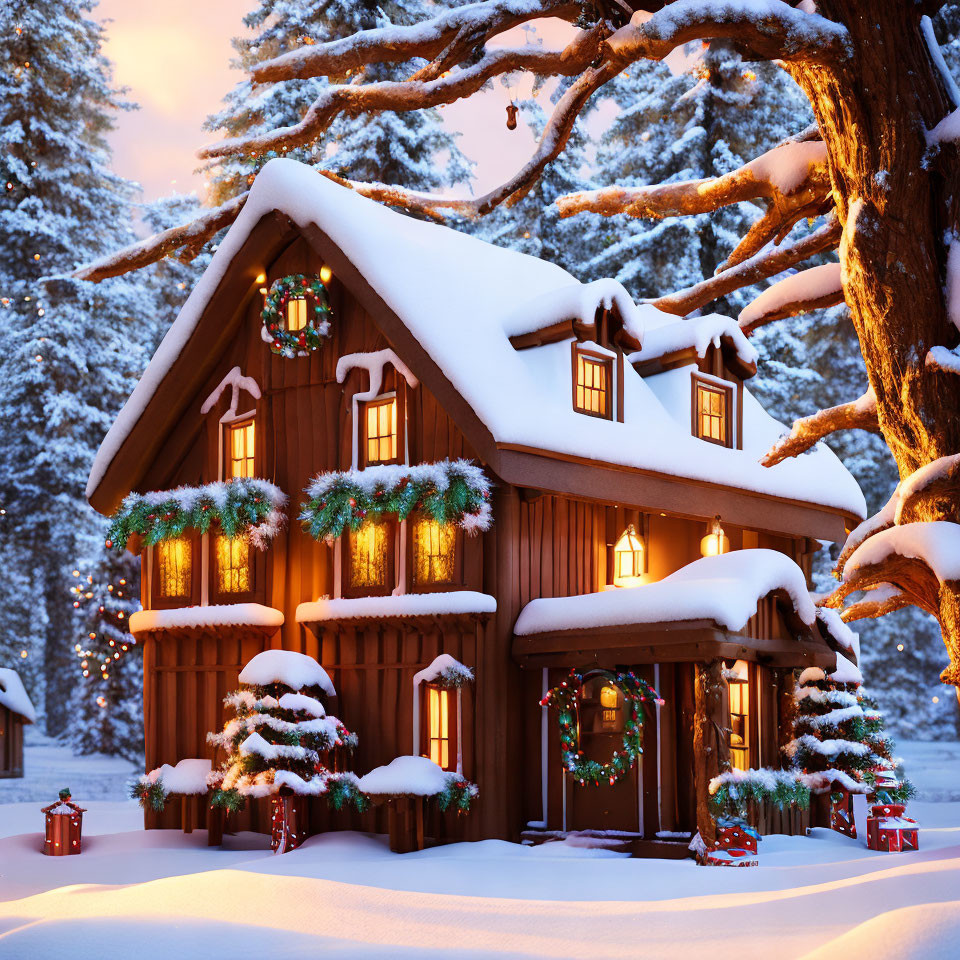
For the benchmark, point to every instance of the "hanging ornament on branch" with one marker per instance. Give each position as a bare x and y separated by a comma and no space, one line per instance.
566,698
512,110
296,315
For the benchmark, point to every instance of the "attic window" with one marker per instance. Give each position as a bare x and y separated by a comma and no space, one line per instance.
591,383
712,408
240,450
381,438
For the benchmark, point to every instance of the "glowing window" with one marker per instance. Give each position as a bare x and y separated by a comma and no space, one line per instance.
592,389
240,446
233,564
380,423
434,551
440,727
739,694
369,559
296,314
610,707
712,413
174,568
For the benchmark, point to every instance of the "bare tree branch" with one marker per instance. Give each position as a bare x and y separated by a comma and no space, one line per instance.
807,290
188,239
877,602
860,414
765,264
918,586
462,28
400,96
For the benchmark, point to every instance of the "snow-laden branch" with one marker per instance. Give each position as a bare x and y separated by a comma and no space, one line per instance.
768,29
877,602
353,99
882,520
767,263
860,414
467,27
930,492
806,290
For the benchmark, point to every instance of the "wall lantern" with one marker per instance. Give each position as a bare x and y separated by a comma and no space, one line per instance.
325,274
628,559
716,541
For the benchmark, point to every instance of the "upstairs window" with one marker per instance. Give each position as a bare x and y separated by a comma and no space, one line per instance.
296,318
234,573
174,575
240,450
439,726
381,440
591,384
434,552
370,560
712,408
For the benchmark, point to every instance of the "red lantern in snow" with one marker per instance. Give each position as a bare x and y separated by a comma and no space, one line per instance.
64,827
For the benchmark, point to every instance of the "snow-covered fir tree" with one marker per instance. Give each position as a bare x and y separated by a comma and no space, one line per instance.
413,149
70,352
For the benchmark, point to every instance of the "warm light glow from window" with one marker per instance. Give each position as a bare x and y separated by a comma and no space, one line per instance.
368,556
296,314
628,559
609,704
381,427
711,413
592,386
434,551
716,541
233,564
174,568
438,726
739,693
241,450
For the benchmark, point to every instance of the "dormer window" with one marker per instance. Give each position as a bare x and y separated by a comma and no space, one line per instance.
592,383
712,411
381,431
240,449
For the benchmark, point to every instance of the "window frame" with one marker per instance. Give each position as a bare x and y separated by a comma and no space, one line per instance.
160,602
228,428
347,589
606,361
706,383
363,461
452,694
256,568
414,585
746,698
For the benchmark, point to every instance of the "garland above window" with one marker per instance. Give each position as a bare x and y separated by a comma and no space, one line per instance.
566,698
302,342
456,492
242,507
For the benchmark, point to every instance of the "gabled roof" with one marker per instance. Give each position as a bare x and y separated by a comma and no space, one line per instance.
14,697
448,303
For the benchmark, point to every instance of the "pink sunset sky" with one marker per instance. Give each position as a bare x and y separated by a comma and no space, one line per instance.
175,59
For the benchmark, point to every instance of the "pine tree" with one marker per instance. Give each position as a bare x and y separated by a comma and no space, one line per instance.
413,149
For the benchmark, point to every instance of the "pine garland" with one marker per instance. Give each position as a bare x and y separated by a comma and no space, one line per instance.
448,491
240,506
566,698
732,791
458,794
149,793
296,343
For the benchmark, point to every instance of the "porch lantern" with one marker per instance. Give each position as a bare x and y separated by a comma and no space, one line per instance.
716,541
628,559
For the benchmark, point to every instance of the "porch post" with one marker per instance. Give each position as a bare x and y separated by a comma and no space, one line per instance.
711,749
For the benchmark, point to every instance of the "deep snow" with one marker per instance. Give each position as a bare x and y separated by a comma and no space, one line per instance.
162,894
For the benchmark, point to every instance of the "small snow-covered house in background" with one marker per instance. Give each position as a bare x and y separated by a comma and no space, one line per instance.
16,710
387,441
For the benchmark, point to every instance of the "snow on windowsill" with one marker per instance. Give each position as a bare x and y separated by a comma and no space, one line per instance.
405,605
223,615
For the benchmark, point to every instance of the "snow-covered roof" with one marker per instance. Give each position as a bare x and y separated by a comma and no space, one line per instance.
14,697
725,589
406,605
459,297
665,334
213,615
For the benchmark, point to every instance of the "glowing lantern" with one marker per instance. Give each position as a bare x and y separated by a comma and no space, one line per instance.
628,559
716,541
325,274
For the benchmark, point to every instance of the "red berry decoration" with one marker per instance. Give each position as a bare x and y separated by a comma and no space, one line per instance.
108,544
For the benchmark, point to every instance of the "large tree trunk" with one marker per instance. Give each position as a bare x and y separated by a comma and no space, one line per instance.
711,750
873,113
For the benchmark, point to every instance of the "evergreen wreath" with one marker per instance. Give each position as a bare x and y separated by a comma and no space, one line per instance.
296,343
454,492
566,698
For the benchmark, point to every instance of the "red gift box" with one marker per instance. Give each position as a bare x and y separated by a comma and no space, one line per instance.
64,827
890,831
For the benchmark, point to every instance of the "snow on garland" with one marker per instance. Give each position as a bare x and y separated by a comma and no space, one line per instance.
566,698
296,343
449,491
243,506
732,791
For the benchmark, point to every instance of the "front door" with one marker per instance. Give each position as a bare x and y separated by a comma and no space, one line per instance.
606,806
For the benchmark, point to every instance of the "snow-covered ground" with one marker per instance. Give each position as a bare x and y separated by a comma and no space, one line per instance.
163,894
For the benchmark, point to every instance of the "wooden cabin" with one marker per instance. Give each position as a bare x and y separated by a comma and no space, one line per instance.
16,711
621,445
